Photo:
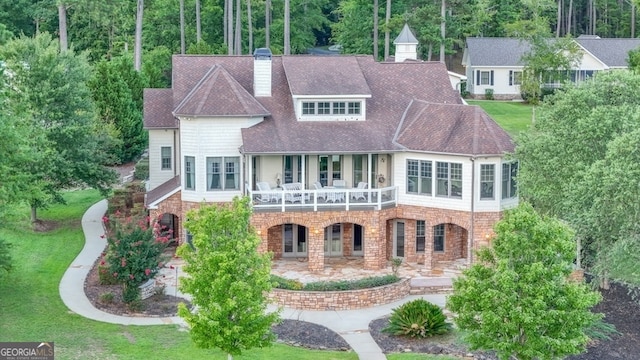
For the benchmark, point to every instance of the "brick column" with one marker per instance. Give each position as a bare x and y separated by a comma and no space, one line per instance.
428,248
315,251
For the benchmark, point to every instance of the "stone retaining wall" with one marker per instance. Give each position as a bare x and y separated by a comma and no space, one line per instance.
341,300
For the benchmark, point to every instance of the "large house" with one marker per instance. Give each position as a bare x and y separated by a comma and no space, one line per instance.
342,155
496,63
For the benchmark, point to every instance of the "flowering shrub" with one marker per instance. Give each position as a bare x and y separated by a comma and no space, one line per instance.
134,252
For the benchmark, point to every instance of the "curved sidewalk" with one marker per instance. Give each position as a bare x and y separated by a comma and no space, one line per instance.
352,325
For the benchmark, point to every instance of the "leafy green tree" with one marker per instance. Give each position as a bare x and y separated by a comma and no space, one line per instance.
117,93
228,279
50,93
579,162
633,60
6,262
517,298
157,67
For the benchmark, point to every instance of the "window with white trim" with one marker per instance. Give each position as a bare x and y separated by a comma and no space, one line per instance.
449,179
515,77
509,184
419,177
487,181
189,173
223,173
338,108
484,77
421,231
324,108
308,108
165,156
354,108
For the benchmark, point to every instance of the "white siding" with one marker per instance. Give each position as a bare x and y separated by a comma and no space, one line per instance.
486,204
157,140
500,81
202,138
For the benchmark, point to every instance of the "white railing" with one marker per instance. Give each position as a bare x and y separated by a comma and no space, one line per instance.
326,198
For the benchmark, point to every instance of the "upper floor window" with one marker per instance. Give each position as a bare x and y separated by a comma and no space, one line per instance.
165,155
487,180
338,108
354,108
419,177
308,108
509,185
223,173
189,173
449,179
421,231
324,108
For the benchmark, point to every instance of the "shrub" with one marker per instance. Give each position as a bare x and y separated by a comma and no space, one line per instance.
287,284
488,94
105,277
142,169
106,298
342,285
6,262
417,318
395,265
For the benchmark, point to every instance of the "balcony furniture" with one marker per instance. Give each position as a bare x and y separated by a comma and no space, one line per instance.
320,194
334,196
340,183
266,197
360,195
290,195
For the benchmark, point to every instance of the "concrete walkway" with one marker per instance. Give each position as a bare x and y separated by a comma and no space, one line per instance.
352,325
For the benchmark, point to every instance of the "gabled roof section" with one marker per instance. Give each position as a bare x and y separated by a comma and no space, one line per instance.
612,52
158,104
495,51
325,75
452,129
406,36
219,94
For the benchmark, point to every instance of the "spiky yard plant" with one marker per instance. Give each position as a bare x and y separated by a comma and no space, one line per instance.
417,319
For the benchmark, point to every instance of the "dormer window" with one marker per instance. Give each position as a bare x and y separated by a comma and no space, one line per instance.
331,110
308,108
338,108
354,108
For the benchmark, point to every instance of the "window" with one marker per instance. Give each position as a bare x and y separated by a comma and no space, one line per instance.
359,163
449,179
420,235
509,175
354,108
308,108
515,78
419,177
338,108
487,175
324,108
292,168
294,238
330,169
223,177
189,173
165,155
484,77
438,238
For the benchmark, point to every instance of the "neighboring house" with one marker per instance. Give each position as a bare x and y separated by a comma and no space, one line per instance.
495,63
342,155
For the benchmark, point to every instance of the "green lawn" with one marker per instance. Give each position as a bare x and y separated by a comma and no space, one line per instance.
513,116
31,308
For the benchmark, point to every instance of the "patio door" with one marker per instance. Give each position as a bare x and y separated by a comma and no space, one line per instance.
294,240
330,169
358,240
333,240
398,239
292,168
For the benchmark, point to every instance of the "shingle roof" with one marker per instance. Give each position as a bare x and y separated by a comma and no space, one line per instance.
508,51
164,189
393,88
452,128
406,36
157,109
219,94
612,52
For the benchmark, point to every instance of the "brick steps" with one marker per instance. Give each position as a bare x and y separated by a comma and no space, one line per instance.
430,285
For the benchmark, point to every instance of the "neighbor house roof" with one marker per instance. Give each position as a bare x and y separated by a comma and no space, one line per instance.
508,51
389,89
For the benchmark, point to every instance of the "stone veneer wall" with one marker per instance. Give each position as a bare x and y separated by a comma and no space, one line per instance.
341,300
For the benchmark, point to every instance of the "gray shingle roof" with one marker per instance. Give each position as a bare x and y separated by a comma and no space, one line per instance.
613,52
406,36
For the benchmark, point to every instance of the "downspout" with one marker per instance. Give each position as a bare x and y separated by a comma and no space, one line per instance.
473,199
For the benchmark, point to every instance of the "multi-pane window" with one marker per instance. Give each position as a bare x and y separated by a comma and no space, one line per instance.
487,181
509,185
223,173
515,77
165,155
419,177
189,173
449,179
339,108
438,238
485,78
420,235
354,108
324,108
308,108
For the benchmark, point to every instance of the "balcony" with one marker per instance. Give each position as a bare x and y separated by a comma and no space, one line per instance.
340,199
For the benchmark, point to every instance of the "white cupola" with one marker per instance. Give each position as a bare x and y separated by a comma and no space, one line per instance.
406,45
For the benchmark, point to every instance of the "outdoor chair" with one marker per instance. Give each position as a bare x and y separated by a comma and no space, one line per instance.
292,196
340,183
264,186
320,194
360,195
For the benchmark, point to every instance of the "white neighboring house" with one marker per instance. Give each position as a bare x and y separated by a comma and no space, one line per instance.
495,63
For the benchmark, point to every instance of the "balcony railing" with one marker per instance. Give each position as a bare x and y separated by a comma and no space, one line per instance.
324,199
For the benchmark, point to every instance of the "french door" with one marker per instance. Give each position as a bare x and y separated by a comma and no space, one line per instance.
398,239
294,238
333,240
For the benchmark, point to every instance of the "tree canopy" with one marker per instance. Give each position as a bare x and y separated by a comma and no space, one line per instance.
517,299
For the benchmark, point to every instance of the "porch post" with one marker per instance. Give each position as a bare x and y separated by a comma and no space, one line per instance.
315,252
428,249
374,258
